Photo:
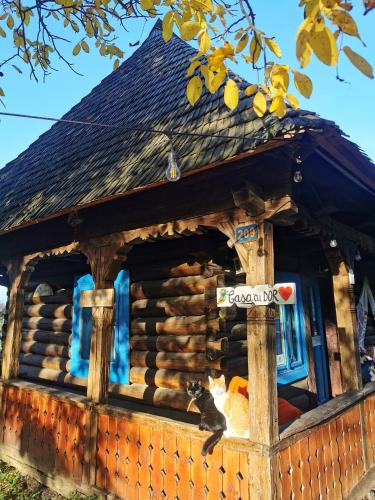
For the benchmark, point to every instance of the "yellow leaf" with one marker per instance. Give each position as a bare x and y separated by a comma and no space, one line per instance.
2,32
116,64
193,66
10,22
77,49
293,101
85,47
146,4
251,89
242,43
278,106
303,49
359,62
167,26
239,34
204,42
345,22
280,78
303,84
255,49
194,89
231,94
259,104
323,44
190,29
273,45
217,80
2,92
202,5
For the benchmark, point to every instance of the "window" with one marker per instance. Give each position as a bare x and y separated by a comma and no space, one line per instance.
290,336
82,326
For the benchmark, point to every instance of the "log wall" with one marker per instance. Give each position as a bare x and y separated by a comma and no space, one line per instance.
177,332
46,338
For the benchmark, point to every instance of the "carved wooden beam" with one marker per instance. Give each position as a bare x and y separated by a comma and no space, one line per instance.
249,198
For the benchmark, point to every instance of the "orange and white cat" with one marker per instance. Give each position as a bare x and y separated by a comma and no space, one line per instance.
233,405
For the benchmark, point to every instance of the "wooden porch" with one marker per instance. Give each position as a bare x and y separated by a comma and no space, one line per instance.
113,452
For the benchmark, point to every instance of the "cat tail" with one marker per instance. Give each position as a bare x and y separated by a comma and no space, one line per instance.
211,442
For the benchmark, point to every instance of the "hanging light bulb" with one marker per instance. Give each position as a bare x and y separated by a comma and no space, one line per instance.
333,243
298,158
297,177
358,256
173,172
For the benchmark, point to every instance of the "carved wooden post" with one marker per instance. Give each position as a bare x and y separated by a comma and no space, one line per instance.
19,272
346,322
262,369
105,264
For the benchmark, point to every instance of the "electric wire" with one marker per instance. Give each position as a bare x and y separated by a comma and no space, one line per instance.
167,133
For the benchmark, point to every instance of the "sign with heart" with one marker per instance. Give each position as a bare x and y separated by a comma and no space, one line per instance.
259,295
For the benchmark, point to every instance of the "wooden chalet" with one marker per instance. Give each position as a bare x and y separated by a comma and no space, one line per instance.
93,384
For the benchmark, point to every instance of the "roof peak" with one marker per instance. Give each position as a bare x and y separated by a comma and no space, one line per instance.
158,25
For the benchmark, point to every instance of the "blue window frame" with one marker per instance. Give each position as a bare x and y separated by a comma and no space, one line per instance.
290,336
82,326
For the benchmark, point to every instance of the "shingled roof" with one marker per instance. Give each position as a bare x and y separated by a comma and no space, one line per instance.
72,165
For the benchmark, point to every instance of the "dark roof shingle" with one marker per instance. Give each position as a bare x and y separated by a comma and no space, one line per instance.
70,165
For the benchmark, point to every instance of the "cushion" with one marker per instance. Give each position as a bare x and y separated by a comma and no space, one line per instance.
287,411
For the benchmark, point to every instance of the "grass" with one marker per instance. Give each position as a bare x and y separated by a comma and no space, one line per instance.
13,486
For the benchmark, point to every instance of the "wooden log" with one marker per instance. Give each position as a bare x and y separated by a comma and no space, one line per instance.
39,323
170,379
176,361
185,305
61,338
65,297
45,349
234,365
173,269
178,325
218,327
59,376
55,363
190,285
169,343
63,311
155,396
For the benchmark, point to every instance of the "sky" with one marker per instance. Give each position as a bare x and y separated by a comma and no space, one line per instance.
351,105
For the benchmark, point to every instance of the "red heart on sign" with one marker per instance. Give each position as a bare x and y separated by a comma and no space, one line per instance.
285,292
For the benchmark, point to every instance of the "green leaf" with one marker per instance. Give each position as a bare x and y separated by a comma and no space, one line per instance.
77,49
85,46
